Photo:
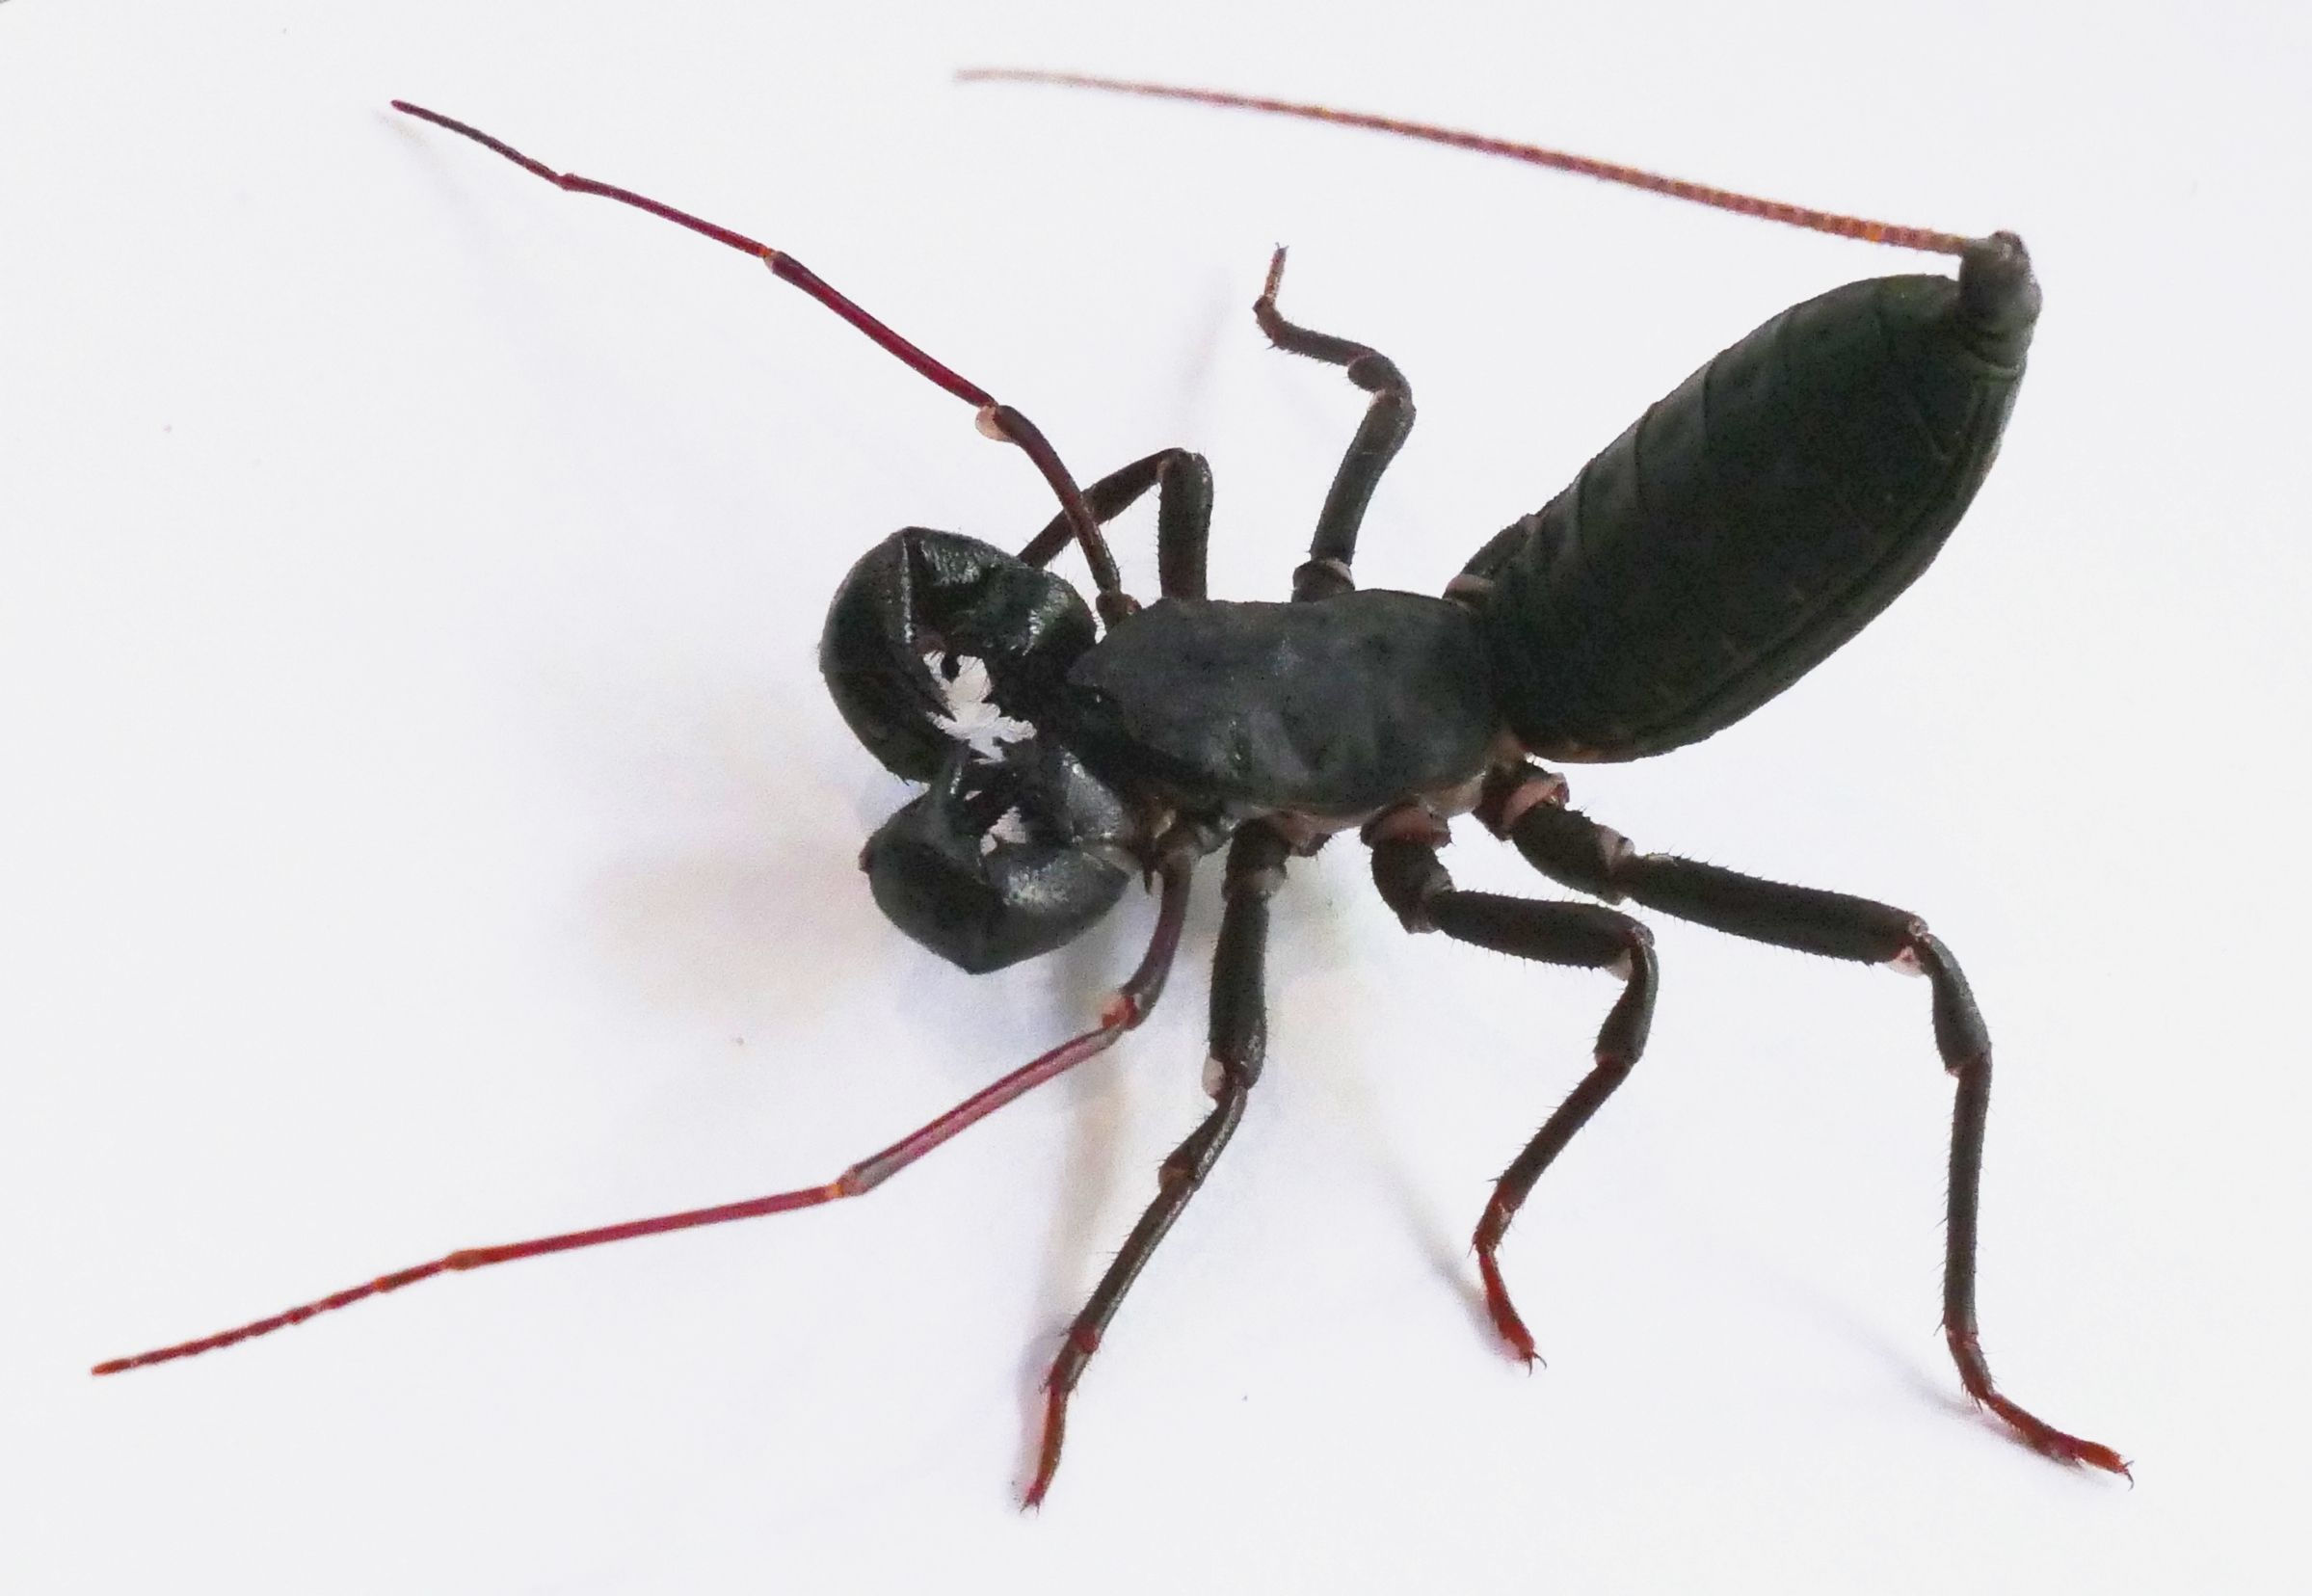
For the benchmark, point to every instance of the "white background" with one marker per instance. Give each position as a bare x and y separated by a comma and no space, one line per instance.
427,826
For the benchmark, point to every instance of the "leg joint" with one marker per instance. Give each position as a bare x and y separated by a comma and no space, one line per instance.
1321,578
1256,862
1509,790
1409,876
1227,1078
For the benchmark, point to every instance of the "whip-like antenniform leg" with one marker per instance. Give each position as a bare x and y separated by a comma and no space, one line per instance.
999,421
1126,1008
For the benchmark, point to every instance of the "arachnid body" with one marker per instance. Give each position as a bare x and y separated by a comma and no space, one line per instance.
1746,526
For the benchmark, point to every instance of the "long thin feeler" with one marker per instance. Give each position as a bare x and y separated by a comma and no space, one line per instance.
1126,1009
1701,194
1001,422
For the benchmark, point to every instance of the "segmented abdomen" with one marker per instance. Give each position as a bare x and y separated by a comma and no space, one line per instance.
1755,519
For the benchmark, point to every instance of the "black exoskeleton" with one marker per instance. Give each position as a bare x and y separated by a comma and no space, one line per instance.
1742,530
1748,524
1754,520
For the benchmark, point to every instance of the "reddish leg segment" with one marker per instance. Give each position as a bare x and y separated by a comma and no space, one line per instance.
1409,874
1966,1047
1126,1009
1526,806
1238,1040
1388,422
1001,422
1183,488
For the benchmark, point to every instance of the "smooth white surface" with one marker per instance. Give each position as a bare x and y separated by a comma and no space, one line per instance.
427,827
